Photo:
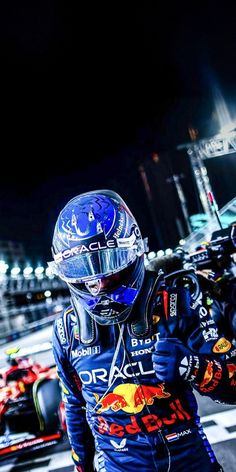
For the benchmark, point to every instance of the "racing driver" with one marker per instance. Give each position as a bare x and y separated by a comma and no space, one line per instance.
124,333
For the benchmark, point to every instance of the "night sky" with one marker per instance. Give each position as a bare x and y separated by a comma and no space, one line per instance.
90,95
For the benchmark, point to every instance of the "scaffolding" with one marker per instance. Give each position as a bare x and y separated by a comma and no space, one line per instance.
199,151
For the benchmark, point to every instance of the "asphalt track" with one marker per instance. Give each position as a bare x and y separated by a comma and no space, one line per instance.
219,423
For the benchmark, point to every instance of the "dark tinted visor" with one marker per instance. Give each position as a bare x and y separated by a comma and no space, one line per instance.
106,284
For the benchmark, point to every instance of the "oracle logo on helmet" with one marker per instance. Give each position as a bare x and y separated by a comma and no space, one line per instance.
125,243
82,248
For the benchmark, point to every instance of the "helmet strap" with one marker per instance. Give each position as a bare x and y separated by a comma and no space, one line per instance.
86,324
140,325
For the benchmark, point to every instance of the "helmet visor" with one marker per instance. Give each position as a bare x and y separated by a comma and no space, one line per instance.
94,265
105,284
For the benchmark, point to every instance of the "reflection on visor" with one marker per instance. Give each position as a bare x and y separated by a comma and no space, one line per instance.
105,284
95,265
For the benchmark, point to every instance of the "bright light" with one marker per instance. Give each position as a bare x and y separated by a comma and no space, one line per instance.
146,261
27,271
168,251
227,128
47,293
58,308
151,255
48,272
3,267
182,242
15,271
39,270
160,253
223,114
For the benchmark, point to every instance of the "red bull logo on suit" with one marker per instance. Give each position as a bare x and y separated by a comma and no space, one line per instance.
131,398
142,423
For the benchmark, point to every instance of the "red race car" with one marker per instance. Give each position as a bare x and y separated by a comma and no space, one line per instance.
31,409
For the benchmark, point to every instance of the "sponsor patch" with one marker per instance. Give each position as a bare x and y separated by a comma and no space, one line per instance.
61,331
173,304
222,345
119,446
172,437
175,436
87,351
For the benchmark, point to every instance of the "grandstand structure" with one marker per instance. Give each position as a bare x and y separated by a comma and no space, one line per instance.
29,302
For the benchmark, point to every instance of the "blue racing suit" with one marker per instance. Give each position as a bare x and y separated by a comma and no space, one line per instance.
110,385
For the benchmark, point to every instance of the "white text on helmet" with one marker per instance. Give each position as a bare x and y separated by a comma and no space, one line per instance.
95,246
77,250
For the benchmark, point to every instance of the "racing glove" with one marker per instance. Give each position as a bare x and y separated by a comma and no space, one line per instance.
212,376
188,320
173,362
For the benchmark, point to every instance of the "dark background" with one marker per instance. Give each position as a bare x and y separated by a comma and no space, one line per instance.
89,93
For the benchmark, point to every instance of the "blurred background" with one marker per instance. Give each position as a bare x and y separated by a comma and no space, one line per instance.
137,98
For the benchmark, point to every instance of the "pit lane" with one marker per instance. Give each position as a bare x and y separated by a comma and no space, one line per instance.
219,423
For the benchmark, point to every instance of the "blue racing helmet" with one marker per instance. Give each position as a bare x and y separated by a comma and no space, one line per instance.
98,251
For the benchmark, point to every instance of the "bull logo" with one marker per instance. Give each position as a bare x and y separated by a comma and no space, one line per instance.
131,398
